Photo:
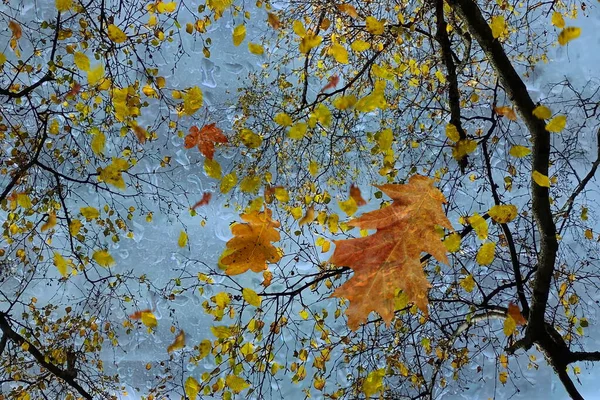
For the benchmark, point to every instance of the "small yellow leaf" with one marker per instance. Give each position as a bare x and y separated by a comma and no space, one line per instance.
498,26
250,139
589,234
468,283
149,319
81,61
256,49
229,181
568,34
480,225
103,258
486,253
212,168
503,376
360,45
375,26
116,34
192,100
519,151
24,201
510,326
339,53
298,130
75,226
192,388
50,223
349,206
221,332
542,112
163,7
452,133
236,384
506,111
283,119
251,297
503,213
303,314
61,264
98,142
308,217
239,34
95,74
183,239
452,242
63,5
558,20
540,179
89,213
345,102
250,184
313,168
373,383
557,124
204,349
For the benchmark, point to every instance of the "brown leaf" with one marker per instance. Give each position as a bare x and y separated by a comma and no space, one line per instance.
331,83
389,259
178,343
515,314
205,139
506,111
357,196
273,20
203,201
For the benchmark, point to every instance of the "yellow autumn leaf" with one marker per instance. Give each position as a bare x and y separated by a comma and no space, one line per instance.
116,34
498,26
542,112
228,182
282,195
212,168
468,283
255,48
486,253
503,376
183,239
163,7
61,264
112,174
503,213
236,384
98,142
95,74
298,130
251,297
103,258
192,388
510,326
557,124
192,100
89,213
221,332
558,20
75,226
452,242
149,319
24,201
540,179
373,383
339,53
178,343
360,45
204,349
349,206
239,34
250,139
63,5
568,34
283,119
345,102
50,223
374,26
519,151
313,168
452,133
81,61
250,184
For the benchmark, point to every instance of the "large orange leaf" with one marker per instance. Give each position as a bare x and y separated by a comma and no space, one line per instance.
389,259
205,139
251,247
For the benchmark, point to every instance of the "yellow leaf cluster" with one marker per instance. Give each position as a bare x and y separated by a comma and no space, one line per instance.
111,174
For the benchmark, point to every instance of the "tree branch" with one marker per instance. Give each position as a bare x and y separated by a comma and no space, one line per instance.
40,358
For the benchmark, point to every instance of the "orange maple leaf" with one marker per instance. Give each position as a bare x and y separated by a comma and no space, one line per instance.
251,247
515,313
507,112
205,139
389,259
203,201
357,196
